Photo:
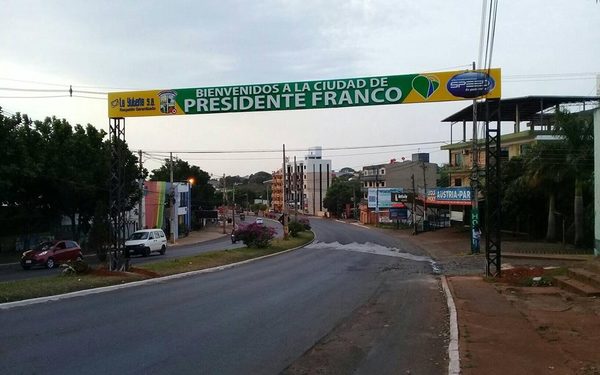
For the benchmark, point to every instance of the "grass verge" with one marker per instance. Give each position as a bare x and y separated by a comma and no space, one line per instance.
48,286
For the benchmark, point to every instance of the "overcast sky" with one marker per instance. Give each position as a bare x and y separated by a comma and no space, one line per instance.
123,45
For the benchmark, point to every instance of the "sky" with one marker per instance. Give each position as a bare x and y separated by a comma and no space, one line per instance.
544,47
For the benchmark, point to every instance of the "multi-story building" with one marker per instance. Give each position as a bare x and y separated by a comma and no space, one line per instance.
532,118
535,112
411,176
317,176
306,184
400,174
277,191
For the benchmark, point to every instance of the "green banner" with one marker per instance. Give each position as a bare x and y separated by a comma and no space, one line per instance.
336,93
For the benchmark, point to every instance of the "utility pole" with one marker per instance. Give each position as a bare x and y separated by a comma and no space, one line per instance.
224,204
424,195
285,211
414,204
172,197
233,210
377,196
474,180
295,190
141,204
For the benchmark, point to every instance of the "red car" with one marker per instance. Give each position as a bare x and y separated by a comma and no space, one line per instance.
51,253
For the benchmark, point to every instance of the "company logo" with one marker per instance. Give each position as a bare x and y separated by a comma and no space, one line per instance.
470,84
167,102
115,103
425,85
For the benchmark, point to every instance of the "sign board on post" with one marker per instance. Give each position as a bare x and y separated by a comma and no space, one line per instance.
335,93
388,197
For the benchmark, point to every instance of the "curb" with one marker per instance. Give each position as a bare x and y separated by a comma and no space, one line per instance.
580,258
85,292
453,352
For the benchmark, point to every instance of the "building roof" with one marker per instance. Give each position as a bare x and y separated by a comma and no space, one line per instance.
527,107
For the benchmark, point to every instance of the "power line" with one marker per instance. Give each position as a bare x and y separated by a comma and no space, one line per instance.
294,150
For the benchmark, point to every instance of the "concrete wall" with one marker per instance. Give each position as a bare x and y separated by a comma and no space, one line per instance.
597,181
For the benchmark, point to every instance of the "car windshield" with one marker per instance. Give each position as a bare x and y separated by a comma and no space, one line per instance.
43,246
139,236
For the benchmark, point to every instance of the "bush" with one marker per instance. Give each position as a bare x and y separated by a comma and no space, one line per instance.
295,227
255,235
305,223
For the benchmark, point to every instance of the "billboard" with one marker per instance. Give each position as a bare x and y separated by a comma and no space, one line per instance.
459,196
388,197
335,93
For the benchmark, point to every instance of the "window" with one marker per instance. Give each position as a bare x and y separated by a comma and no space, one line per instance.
382,171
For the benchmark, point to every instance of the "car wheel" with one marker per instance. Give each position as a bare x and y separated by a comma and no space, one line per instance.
146,252
163,249
50,263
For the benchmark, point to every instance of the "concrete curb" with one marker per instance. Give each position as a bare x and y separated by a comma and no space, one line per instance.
579,258
453,352
58,297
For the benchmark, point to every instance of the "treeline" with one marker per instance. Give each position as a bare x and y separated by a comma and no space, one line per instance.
49,170
553,183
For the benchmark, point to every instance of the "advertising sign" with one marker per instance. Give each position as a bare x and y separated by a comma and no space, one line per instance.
459,196
388,197
335,93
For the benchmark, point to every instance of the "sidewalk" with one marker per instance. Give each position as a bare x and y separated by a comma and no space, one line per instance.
510,329
210,232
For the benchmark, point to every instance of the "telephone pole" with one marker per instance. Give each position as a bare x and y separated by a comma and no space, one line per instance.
224,204
172,202
285,210
141,185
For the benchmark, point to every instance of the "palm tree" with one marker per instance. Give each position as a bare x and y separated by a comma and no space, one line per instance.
545,169
577,137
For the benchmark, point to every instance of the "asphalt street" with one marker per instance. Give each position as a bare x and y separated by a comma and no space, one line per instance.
257,318
15,272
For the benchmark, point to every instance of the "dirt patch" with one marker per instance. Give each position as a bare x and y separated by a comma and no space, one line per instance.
133,271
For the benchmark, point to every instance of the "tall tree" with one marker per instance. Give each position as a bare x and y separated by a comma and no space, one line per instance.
203,193
577,133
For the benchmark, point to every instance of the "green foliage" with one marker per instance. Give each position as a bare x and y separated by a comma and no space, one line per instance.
203,193
51,169
339,194
295,227
548,180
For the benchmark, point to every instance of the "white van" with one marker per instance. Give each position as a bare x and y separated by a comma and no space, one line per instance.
146,241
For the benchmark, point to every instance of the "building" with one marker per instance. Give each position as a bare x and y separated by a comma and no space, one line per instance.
306,184
532,121
317,176
155,206
407,176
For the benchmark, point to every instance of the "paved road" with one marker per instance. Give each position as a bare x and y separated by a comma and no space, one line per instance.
253,319
15,272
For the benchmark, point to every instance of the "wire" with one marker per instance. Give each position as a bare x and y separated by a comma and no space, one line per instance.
62,84
293,150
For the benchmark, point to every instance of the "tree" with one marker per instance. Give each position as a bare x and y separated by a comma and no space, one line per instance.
203,193
339,194
577,133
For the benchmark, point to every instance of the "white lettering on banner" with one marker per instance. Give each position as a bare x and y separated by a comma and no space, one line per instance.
463,194
206,103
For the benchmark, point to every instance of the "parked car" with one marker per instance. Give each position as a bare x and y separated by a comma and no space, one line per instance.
146,241
51,253
259,220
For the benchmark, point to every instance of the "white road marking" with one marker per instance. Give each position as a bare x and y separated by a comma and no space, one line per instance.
453,352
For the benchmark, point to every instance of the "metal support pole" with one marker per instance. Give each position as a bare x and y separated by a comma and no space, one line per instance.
493,188
118,258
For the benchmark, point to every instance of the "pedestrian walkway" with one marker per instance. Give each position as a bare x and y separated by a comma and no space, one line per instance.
209,232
